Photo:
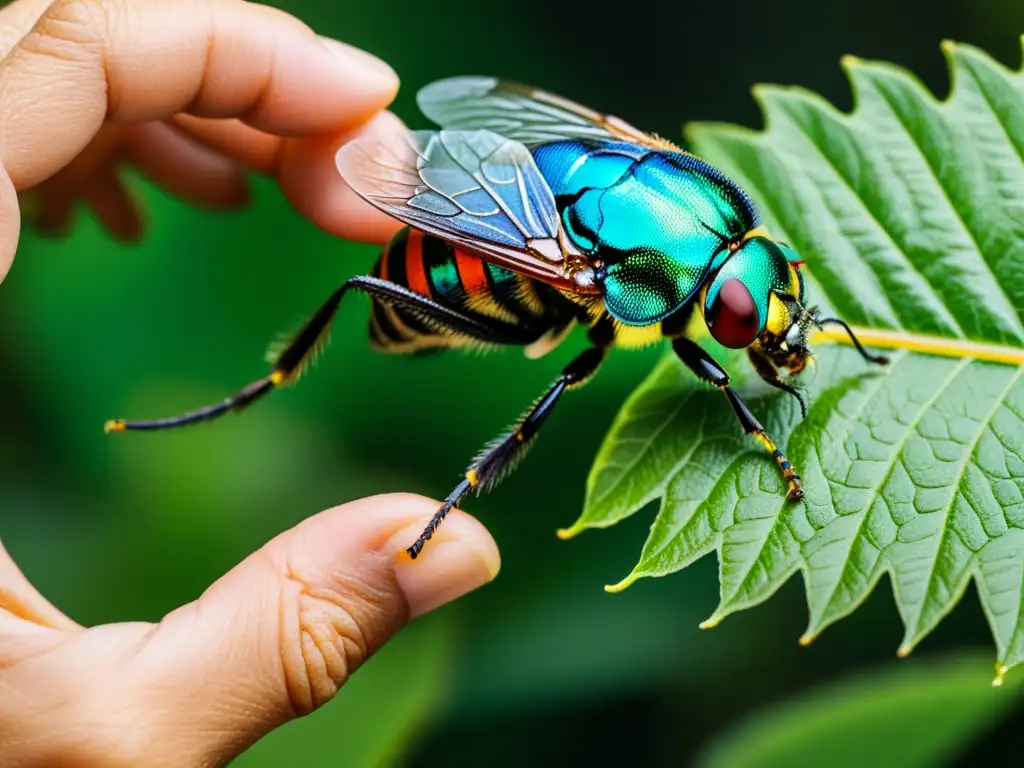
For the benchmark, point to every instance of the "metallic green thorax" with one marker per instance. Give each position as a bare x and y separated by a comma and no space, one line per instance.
658,220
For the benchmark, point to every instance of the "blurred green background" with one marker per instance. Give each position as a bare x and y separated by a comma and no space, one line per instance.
541,666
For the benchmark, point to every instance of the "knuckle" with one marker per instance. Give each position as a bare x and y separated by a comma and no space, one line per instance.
328,632
67,25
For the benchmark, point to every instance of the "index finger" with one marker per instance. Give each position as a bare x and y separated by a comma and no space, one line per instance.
85,61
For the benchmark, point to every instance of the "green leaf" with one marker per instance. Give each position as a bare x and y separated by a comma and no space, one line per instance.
910,214
374,719
867,720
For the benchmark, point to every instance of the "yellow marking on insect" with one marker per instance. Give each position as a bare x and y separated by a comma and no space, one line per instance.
636,336
760,231
765,441
1000,677
519,437
929,345
277,378
114,425
473,478
778,316
711,622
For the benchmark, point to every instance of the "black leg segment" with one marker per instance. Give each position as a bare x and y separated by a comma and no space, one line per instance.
290,363
500,457
706,368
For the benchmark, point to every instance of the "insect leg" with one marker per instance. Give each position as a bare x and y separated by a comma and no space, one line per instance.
770,374
289,364
705,367
498,458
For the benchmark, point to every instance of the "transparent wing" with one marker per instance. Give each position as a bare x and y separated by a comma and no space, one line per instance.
521,113
476,189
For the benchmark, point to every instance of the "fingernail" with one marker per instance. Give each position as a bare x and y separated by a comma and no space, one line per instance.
362,64
445,570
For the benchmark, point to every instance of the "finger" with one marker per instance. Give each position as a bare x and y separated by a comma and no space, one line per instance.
279,634
16,19
74,177
254,149
19,600
306,172
85,61
10,222
185,168
49,206
113,206
309,178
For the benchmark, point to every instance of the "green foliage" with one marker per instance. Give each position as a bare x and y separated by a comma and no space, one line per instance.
909,213
130,529
865,720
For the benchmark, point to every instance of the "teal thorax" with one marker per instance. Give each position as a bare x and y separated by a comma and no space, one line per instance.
659,221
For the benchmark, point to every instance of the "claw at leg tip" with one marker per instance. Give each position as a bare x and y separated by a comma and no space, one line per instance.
806,639
114,425
903,651
710,623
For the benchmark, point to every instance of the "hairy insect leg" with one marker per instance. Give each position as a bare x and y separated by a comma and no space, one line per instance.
289,364
770,374
499,458
706,368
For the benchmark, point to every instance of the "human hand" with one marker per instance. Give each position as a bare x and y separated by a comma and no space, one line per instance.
192,92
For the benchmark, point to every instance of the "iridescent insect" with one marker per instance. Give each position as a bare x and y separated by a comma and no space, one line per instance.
528,214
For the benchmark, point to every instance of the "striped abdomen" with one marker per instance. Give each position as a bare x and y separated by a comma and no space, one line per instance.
440,271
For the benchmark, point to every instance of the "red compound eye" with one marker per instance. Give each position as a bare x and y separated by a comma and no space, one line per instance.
733,319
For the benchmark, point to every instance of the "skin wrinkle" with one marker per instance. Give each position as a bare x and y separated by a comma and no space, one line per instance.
209,608
329,626
54,38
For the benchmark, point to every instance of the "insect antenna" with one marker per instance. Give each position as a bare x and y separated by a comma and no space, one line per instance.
879,359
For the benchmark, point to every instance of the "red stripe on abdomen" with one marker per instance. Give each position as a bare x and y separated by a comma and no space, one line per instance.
415,273
471,272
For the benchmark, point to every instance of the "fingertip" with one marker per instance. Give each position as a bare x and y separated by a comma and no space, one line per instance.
347,85
377,81
309,178
460,557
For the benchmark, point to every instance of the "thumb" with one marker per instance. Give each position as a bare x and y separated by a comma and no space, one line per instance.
279,634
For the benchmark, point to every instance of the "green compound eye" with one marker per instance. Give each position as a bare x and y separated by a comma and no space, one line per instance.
755,271
732,317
